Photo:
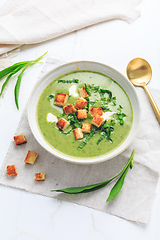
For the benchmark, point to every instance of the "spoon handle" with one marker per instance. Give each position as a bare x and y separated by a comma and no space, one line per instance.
154,105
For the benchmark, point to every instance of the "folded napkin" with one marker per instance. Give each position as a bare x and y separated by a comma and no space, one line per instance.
135,200
35,21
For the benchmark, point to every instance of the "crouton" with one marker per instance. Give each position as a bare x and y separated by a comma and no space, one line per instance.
61,99
81,113
80,103
39,176
83,92
11,170
62,124
96,111
97,121
78,134
19,139
69,109
31,157
86,127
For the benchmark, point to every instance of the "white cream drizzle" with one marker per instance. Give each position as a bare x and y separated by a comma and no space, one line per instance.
107,115
51,118
72,91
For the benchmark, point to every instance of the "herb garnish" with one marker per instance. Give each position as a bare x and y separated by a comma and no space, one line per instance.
61,115
107,127
87,89
101,138
86,140
68,81
114,101
114,191
65,133
106,131
93,88
106,91
50,97
120,115
72,118
13,70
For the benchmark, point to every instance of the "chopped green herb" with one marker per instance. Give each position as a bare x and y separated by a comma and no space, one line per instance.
114,101
65,133
120,108
61,115
50,97
87,89
86,140
106,91
88,102
72,118
93,102
112,122
101,138
68,81
93,88
120,115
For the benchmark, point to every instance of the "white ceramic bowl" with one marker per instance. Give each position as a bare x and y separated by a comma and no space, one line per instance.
92,66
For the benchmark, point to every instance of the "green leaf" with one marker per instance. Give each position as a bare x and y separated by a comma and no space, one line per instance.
117,187
85,189
93,187
17,87
8,78
10,69
13,70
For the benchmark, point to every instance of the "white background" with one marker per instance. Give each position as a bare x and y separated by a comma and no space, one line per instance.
29,216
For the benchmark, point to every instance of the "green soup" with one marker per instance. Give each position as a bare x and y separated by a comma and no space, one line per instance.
113,101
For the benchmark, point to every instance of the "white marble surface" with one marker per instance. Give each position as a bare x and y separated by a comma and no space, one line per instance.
29,216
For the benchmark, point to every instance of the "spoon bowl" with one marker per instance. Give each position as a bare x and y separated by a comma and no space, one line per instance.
139,72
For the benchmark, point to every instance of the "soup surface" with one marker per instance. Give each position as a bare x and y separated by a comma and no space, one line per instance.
103,93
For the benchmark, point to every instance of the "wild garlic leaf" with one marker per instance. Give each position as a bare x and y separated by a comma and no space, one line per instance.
8,78
17,87
93,187
10,69
85,189
117,187
13,70
101,138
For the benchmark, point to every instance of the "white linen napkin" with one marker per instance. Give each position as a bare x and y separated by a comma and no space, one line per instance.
35,21
135,200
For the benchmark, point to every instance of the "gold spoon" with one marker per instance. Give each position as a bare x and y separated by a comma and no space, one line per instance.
139,73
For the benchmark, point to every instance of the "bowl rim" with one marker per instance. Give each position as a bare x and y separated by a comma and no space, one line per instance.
72,159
